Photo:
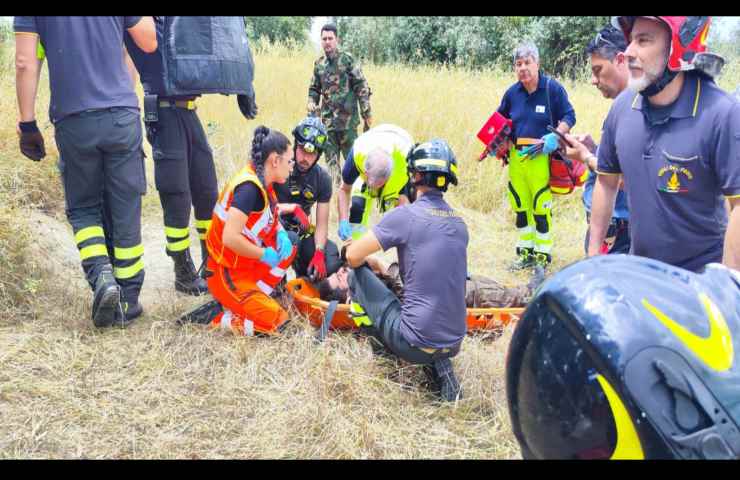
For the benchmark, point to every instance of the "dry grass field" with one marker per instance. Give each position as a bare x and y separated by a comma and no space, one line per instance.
156,390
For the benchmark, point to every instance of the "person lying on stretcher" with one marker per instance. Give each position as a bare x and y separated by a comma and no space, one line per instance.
480,291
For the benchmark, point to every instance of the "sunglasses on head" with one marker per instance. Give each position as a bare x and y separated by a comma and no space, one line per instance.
601,40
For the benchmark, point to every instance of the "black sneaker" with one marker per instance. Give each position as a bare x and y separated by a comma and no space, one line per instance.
443,379
106,298
127,313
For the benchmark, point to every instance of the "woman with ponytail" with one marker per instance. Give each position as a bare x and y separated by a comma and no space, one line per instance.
249,251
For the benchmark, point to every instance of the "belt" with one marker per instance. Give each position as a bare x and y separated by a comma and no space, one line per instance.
186,104
432,351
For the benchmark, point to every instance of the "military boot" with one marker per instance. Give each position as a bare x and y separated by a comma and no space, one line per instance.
106,297
186,279
525,259
202,315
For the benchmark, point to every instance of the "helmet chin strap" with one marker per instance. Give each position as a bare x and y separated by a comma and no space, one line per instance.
658,85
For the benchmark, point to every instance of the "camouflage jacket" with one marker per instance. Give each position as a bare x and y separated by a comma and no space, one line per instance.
338,83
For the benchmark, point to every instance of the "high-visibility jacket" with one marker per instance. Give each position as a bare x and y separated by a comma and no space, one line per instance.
396,142
261,230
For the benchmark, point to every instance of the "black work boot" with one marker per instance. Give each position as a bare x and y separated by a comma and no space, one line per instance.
443,379
186,279
202,315
127,313
106,298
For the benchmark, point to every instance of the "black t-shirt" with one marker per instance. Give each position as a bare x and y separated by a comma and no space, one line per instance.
305,189
248,198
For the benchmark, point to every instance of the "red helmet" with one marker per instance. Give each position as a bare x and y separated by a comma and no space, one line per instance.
688,42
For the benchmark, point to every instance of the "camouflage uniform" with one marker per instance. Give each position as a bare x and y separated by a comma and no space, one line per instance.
340,84
480,292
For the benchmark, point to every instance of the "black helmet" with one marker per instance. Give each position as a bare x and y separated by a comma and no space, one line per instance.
639,363
435,161
311,135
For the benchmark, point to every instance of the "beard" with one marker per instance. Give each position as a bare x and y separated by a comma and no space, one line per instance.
650,73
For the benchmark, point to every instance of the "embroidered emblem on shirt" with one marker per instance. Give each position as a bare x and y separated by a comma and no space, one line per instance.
671,175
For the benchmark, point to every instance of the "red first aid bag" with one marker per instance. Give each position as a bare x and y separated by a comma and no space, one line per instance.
566,174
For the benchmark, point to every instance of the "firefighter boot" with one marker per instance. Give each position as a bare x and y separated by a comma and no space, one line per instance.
186,279
204,259
106,298
202,315
127,312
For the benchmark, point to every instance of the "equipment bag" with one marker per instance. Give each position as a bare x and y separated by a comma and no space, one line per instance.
565,175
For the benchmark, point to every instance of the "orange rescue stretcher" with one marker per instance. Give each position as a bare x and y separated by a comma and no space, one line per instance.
306,300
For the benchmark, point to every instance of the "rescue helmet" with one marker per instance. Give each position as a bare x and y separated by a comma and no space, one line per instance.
436,163
310,134
687,50
639,364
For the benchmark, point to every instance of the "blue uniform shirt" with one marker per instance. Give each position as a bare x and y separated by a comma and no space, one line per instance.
529,112
676,171
432,242
87,70
621,210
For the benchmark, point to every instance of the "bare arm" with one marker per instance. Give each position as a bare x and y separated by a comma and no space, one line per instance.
144,34
731,254
322,224
131,68
233,237
360,249
604,196
27,73
344,196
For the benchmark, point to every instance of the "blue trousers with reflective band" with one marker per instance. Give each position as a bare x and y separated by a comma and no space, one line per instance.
102,167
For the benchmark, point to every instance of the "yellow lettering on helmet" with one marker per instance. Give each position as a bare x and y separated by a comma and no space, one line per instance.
628,442
716,350
441,181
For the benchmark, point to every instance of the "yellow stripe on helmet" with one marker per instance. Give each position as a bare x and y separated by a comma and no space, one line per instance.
628,442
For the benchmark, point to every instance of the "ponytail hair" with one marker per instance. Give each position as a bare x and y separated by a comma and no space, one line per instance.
266,142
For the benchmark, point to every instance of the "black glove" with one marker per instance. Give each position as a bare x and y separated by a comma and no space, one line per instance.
248,105
31,141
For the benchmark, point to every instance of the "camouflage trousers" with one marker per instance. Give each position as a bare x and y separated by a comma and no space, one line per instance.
480,292
339,142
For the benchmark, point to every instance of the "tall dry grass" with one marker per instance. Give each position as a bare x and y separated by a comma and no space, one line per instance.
159,391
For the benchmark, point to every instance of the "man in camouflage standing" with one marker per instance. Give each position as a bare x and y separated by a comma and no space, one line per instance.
339,82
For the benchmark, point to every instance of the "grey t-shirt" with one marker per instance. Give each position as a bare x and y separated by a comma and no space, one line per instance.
432,244
677,170
87,69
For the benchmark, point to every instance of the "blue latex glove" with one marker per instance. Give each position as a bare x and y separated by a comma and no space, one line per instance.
284,245
550,143
270,257
345,230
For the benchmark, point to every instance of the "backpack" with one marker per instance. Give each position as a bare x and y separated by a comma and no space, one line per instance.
565,174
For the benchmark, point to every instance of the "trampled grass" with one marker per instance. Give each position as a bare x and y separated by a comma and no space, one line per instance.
159,391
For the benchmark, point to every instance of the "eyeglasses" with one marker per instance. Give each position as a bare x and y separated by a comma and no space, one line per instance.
600,40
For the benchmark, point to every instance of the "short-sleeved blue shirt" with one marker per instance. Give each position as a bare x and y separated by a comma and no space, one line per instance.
621,210
529,112
676,172
432,242
87,70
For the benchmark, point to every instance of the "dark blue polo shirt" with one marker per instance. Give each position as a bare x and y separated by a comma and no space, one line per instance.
530,112
677,172
87,70
432,242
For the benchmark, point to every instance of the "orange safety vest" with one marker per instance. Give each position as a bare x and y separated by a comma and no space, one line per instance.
261,229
